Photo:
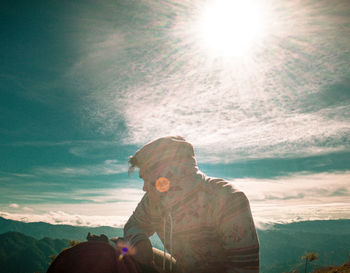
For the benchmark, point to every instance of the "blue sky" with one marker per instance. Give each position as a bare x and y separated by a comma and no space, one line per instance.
84,84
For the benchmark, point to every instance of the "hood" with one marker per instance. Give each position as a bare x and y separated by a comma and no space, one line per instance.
172,157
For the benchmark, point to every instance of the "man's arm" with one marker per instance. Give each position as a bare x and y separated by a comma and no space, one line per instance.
239,236
137,230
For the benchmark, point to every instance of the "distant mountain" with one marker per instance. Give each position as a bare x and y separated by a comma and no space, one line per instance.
281,247
24,254
39,230
340,226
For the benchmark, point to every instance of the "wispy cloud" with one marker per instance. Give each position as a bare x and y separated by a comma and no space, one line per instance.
299,197
261,106
18,207
303,196
298,186
60,143
265,216
12,175
4,178
72,192
108,167
111,195
111,208
63,218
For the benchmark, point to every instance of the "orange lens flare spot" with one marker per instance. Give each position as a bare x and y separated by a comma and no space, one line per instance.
162,184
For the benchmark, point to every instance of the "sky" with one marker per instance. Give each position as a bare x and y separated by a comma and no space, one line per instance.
260,88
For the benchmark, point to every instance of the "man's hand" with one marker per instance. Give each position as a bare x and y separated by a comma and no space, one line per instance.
143,252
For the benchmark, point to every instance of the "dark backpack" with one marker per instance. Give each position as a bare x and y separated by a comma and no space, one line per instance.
93,257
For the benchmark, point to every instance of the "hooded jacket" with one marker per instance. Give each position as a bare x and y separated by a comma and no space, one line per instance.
205,223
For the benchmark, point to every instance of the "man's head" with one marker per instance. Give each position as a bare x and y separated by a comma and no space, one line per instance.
169,157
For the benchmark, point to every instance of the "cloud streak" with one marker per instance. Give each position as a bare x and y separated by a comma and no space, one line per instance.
303,196
108,167
259,106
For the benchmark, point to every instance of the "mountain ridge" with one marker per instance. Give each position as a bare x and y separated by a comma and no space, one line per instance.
281,246
42,229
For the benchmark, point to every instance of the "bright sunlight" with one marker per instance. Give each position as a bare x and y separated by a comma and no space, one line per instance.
230,27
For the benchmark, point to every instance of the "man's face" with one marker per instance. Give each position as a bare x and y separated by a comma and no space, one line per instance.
149,185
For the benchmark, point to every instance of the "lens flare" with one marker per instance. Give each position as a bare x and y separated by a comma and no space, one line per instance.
162,184
125,249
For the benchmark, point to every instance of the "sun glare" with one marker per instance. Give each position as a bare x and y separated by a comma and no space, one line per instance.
230,27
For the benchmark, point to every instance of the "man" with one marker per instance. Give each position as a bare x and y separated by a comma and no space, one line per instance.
205,223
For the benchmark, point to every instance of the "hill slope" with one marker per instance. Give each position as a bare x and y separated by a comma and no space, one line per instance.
282,246
22,254
39,230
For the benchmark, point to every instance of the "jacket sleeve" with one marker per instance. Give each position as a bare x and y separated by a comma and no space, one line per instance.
239,237
139,226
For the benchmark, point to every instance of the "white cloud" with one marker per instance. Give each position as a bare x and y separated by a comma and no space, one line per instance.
303,196
14,206
229,128
285,199
82,214
110,195
101,207
63,218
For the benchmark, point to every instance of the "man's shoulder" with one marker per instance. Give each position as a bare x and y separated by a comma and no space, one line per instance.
223,194
218,185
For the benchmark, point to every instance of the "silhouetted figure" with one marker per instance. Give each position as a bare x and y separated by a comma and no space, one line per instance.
205,223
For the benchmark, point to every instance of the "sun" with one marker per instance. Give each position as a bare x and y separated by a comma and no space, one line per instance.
230,27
